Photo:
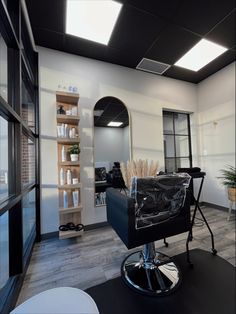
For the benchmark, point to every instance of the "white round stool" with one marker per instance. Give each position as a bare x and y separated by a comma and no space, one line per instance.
58,301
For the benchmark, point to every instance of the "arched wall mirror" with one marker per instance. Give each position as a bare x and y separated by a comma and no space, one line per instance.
111,143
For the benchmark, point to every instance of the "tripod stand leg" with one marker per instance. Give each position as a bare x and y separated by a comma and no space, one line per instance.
196,201
187,251
165,242
190,235
214,251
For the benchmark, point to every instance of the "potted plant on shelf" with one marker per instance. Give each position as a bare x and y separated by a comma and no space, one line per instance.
229,180
74,152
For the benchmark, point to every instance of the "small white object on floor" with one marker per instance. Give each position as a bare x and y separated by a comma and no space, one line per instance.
61,300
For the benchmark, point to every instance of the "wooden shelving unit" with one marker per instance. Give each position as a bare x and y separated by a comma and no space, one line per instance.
70,141
69,163
63,118
68,211
100,199
67,98
69,186
70,234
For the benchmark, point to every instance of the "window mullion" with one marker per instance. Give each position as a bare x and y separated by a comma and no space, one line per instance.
174,140
190,142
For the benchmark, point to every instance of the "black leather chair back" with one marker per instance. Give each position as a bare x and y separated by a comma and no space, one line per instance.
158,199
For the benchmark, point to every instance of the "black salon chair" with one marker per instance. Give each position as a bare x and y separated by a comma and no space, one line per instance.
159,207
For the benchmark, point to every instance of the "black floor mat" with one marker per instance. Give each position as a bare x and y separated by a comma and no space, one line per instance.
208,288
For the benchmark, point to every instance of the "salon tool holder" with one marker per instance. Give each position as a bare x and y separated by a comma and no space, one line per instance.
198,175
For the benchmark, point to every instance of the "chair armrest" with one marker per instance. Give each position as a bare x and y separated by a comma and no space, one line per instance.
119,202
120,214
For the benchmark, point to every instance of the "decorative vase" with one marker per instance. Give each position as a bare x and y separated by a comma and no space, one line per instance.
232,194
74,157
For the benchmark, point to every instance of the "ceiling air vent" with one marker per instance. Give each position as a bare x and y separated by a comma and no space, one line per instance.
152,66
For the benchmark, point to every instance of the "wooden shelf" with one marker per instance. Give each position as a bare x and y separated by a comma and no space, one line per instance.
61,140
69,119
70,186
70,234
70,210
69,163
69,102
68,98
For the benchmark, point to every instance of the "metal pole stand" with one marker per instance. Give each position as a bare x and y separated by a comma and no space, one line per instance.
197,207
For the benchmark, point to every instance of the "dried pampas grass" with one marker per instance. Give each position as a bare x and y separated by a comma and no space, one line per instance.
140,168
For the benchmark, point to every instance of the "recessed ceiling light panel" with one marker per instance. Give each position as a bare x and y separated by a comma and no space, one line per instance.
116,124
200,55
92,19
152,66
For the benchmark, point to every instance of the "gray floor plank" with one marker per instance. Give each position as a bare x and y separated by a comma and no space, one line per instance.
97,256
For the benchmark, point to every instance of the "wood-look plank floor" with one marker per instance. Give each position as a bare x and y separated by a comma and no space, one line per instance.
97,256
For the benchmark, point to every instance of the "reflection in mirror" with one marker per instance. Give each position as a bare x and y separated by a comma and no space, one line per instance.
111,145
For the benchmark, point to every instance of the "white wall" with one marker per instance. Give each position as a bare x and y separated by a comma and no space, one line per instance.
126,144
111,144
108,144
145,95
216,130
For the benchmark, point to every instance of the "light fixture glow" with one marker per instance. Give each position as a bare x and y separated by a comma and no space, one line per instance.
116,124
201,54
93,20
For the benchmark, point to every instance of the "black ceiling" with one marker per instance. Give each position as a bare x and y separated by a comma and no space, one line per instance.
161,30
112,110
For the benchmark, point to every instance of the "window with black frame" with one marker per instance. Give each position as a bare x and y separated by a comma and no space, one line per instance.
3,68
4,250
177,140
4,191
19,151
28,215
28,101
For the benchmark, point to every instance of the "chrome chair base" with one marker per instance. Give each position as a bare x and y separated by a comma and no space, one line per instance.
154,275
